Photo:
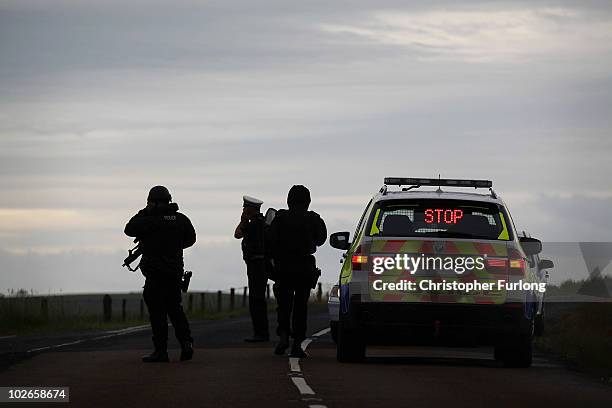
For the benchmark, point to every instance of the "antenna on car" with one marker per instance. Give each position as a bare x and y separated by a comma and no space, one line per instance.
439,190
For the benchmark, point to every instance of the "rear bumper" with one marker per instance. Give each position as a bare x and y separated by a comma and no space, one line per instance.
400,323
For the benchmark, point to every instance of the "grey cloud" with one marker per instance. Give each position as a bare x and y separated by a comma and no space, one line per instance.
225,98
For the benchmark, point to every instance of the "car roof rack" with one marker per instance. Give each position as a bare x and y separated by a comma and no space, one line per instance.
439,182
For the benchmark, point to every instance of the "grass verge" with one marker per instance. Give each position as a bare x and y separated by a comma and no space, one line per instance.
581,335
20,324
27,325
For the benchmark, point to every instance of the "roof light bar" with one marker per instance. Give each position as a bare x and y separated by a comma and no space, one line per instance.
405,181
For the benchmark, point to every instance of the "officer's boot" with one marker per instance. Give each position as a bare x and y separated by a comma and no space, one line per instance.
160,354
186,350
283,344
297,350
157,356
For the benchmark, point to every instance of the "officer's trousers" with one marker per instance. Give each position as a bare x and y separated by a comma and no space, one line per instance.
163,300
292,308
258,306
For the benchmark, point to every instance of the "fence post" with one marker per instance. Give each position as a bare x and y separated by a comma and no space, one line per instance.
219,301
190,308
123,309
141,309
319,292
244,296
232,298
268,293
202,302
107,304
44,308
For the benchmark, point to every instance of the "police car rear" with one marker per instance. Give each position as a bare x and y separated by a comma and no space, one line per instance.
437,267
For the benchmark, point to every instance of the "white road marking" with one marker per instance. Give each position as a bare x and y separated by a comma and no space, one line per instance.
8,337
294,363
110,334
55,346
322,332
301,385
305,344
296,371
129,329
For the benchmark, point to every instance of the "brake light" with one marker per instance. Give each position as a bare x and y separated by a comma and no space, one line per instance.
517,263
496,265
496,262
359,259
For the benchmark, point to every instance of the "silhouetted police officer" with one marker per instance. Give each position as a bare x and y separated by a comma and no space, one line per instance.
163,233
251,231
295,235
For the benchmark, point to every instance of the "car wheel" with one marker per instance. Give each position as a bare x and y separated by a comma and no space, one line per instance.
538,329
333,326
519,356
517,352
351,346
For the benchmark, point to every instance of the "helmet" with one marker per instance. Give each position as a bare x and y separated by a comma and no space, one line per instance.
298,197
159,194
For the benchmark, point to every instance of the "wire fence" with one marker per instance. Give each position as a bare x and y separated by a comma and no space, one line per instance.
129,306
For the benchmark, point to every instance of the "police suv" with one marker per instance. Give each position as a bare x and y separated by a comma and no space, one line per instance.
442,267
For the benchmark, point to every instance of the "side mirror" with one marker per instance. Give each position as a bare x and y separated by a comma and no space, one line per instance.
531,246
340,240
546,264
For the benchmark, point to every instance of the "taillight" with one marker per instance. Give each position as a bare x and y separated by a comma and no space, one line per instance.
496,262
358,260
516,263
496,265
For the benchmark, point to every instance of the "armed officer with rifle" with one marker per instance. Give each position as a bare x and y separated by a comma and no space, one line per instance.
163,233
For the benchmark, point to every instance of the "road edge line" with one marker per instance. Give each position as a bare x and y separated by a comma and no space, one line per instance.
297,376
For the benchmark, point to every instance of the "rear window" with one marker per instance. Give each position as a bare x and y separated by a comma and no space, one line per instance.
439,219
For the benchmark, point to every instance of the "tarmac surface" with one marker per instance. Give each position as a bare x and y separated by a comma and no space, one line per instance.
104,370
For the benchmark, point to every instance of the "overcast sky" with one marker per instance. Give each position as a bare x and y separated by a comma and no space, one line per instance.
218,99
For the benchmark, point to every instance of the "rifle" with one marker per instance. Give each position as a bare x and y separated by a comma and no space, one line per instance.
185,281
133,254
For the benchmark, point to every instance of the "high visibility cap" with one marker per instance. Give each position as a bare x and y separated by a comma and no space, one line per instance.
253,202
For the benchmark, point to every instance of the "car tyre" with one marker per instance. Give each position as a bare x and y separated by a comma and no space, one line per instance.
351,346
518,352
333,326
538,329
519,356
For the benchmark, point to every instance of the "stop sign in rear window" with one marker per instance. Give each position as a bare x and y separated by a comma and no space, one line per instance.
443,215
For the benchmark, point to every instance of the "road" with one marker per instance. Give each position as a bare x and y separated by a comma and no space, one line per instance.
227,372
